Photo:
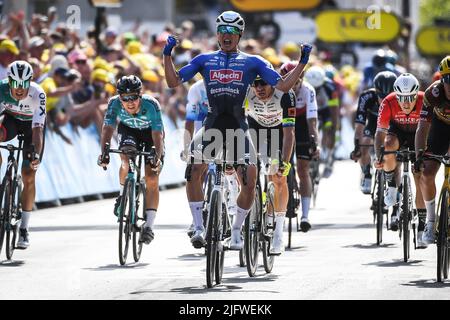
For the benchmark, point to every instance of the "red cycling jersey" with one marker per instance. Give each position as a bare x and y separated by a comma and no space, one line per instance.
391,114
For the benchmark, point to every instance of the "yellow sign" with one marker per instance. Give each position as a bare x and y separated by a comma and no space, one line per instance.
433,41
106,3
271,5
357,26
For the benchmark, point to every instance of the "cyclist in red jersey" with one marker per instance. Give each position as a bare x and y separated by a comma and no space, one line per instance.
398,118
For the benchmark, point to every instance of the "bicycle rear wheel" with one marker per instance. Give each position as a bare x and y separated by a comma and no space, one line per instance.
380,206
211,239
406,220
124,224
140,201
13,209
4,209
268,259
252,234
442,239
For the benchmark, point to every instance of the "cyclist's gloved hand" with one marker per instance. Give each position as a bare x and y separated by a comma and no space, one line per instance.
154,163
419,165
306,50
36,161
284,169
170,44
355,155
103,160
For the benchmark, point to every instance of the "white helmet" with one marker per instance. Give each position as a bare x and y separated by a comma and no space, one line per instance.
406,85
315,76
20,72
230,18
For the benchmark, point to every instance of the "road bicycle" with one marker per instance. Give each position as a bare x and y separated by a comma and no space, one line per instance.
130,222
442,226
408,217
260,223
10,197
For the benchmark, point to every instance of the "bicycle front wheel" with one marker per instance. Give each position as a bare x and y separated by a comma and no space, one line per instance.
268,259
4,209
406,220
380,206
140,204
124,224
252,232
13,208
211,239
442,242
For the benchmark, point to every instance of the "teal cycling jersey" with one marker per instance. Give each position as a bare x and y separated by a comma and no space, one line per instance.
148,117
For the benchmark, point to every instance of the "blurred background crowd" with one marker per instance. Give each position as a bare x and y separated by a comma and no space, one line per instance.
78,66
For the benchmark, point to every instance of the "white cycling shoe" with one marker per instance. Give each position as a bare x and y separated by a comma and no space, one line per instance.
366,185
428,234
390,196
277,247
420,243
236,242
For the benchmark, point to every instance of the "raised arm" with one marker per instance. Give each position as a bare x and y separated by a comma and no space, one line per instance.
285,84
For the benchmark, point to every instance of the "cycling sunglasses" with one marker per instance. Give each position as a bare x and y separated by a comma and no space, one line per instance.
259,82
228,29
19,84
133,97
446,79
409,98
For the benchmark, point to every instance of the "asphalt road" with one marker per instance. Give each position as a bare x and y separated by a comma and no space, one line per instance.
73,255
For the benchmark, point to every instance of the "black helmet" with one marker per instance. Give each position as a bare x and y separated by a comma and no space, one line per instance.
384,83
379,59
129,84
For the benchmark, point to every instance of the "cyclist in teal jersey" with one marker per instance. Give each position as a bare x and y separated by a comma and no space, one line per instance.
139,122
22,104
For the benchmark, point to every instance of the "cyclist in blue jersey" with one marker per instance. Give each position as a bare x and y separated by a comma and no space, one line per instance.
139,122
227,74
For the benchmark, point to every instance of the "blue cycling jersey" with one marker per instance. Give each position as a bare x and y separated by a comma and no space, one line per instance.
227,77
148,117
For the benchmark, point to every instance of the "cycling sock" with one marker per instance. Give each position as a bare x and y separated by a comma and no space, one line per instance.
241,214
306,202
366,170
422,213
431,207
279,222
196,210
121,189
390,178
25,219
151,215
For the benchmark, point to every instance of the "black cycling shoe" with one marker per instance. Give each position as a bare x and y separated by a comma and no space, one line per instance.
117,206
147,235
394,223
305,225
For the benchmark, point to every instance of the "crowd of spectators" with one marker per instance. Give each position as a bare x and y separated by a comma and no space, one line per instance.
79,78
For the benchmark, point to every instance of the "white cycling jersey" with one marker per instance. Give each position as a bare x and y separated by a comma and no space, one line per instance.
197,104
273,112
306,101
32,108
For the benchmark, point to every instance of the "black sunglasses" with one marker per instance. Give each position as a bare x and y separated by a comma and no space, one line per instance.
259,83
133,97
446,79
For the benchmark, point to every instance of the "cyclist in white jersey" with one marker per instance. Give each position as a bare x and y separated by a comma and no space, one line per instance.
305,126
22,104
271,120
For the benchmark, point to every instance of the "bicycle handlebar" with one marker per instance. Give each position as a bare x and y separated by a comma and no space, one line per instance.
131,152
